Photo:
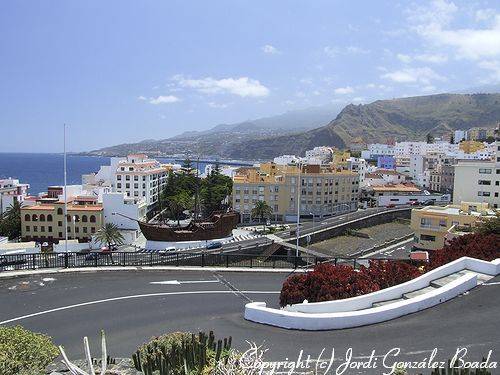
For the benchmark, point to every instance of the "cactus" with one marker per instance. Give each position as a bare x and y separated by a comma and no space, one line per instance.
189,354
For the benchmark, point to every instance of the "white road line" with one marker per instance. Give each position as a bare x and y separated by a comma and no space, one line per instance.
176,282
131,297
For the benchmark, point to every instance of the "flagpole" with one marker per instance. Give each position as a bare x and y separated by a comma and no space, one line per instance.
65,197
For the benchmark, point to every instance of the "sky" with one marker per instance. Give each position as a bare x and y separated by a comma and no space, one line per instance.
124,71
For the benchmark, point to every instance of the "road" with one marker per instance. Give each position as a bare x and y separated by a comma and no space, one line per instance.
131,309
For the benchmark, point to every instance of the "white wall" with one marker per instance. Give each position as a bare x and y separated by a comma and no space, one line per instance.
115,203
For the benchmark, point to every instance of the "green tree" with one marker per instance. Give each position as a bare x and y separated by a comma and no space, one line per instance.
10,221
262,211
429,138
109,235
489,226
179,203
214,190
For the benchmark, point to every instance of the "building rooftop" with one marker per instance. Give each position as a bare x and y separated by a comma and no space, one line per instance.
407,188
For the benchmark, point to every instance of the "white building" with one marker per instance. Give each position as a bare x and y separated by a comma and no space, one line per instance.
286,159
460,135
11,190
360,166
117,204
478,180
383,177
140,177
378,149
225,170
319,155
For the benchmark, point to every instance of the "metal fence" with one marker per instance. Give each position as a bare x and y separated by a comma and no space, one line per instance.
227,260
77,260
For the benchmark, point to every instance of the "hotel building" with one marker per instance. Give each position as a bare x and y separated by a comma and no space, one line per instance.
323,190
44,221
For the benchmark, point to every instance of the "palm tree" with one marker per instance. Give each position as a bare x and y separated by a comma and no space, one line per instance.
110,235
262,210
10,221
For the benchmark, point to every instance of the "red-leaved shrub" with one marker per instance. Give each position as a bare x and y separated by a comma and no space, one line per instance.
389,273
327,282
293,290
479,246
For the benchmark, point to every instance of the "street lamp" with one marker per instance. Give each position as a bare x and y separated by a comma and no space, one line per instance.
299,184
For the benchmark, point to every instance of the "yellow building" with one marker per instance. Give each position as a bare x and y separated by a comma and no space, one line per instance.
470,147
433,224
324,190
44,221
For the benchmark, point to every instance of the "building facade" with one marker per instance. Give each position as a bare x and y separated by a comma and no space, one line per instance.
323,191
11,190
433,224
44,221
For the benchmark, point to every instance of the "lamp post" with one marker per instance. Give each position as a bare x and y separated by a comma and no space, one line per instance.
299,184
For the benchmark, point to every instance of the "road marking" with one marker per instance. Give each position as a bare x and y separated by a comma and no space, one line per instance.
175,282
492,283
132,297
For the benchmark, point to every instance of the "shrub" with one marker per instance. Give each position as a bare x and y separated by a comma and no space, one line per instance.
484,247
23,352
389,273
327,282
293,290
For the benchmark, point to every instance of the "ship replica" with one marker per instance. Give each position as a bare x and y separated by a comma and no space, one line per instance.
218,225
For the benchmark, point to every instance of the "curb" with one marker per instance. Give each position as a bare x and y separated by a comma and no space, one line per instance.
13,274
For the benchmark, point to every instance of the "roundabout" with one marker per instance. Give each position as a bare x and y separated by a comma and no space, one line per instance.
132,306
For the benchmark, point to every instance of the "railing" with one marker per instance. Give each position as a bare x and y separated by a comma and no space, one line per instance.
124,259
127,259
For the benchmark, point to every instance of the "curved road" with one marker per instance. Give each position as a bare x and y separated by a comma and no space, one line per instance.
134,306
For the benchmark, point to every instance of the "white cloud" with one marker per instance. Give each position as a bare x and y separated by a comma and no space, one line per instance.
414,75
404,58
269,49
218,105
433,24
344,90
331,51
432,58
141,97
163,99
485,14
357,50
243,86
494,67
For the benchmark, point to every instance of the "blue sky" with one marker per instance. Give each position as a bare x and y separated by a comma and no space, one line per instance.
124,71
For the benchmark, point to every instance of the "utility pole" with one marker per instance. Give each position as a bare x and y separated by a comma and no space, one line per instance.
65,197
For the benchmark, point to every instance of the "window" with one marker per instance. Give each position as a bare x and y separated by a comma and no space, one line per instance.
484,182
27,228
27,218
59,223
92,219
442,222
84,218
59,211
485,170
49,217
50,229
426,237
42,217
34,218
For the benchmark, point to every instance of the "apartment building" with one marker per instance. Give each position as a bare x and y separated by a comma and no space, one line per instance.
323,190
44,221
140,177
11,190
433,225
478,180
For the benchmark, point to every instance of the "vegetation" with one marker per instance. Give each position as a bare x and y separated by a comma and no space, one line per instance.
331,282
181,188
491,226
23,352
10,221
181,353
109,235
261,210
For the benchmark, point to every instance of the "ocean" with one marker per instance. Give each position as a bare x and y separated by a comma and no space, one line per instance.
42,170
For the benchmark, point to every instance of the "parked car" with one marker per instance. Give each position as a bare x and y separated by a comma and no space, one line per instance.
5,261
429,202
415,203
391,205
168,250
214,245
92,256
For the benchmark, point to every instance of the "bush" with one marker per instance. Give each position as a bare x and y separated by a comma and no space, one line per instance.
23,352
327,282
479,246
390,273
